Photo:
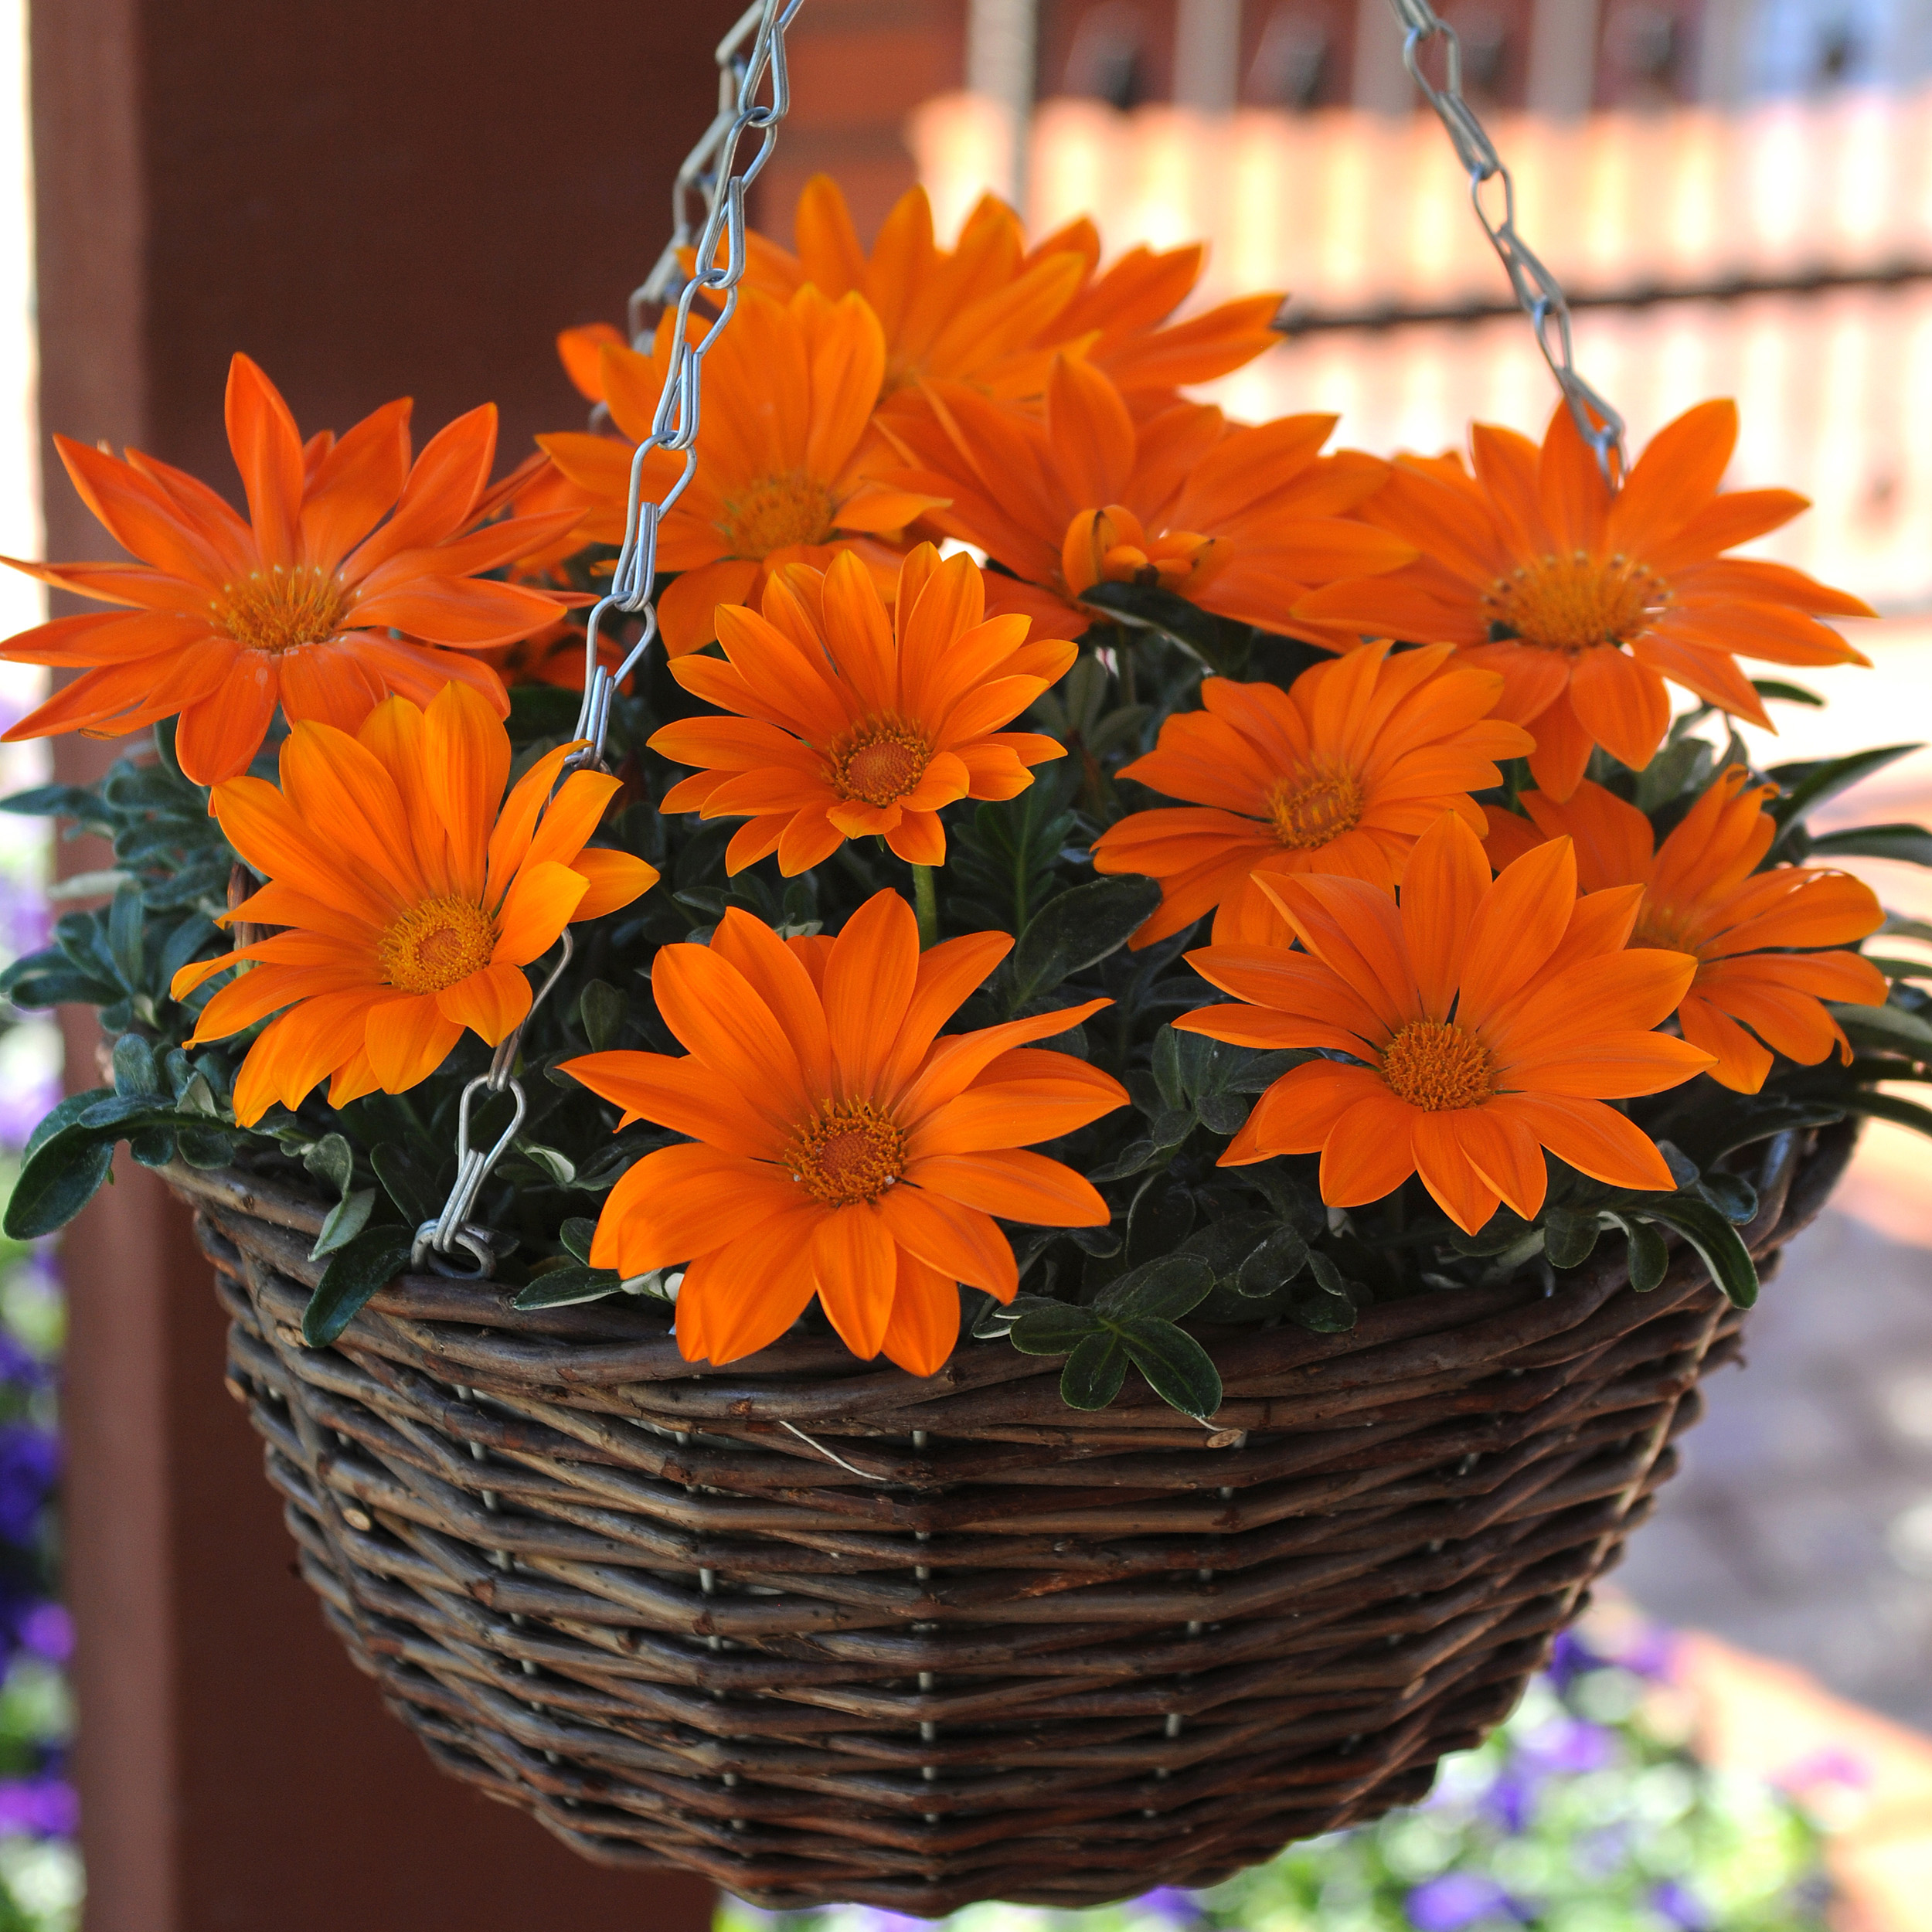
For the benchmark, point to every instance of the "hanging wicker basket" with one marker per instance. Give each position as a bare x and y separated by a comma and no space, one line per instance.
822,1631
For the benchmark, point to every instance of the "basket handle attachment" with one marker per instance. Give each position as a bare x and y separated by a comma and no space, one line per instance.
754,94
1538,292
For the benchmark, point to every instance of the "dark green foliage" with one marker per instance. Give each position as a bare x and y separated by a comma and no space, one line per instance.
1190,1246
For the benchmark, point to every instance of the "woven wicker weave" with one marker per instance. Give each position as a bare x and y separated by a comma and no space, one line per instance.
822,1632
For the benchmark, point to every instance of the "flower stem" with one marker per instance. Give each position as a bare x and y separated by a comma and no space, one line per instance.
926,902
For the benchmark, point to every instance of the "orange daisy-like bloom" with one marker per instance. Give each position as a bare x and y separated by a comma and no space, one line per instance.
1340,772
849,721
1492,1019
990,313
296,605
1704,895
1587,598
840,1148
411,902
786,472
1239,521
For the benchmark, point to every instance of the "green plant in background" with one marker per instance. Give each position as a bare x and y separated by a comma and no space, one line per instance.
1587,1812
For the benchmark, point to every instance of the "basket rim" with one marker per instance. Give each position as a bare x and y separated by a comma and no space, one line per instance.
599,1345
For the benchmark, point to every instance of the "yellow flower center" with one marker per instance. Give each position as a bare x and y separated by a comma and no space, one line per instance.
1573,603
1437,1065
1314,807
283,607
436,943
851,1151
879,761
776,511
1671,928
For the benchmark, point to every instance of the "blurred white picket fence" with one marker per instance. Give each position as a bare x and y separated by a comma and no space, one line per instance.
1355,212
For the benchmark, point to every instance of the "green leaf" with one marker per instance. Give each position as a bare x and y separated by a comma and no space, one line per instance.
1807,786
1911,844
405,1181
1166,1061
1647,1255
1894,968
135,1073
55,801
1732,1196
1075,929
126,922
363,1268
330,1161
1881,1023
576,1234
1890,1107
1177,1367
1055,1328
63,1175
1328,1308
553,1162
1275,1262
1789,693
1677,768
1716,1242
64,1113
603,1010
1166,1288
1094,1372
1146,606
1135,1157
345,1220
564,1287
1570,1239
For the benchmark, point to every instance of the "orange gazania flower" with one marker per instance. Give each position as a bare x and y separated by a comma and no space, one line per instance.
1704,895
411,902
990,313
850,722
1340,772
1587,599
1239,521
296,605
1487,1021
786,473
839,1148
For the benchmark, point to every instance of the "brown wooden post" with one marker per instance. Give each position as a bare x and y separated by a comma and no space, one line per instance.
372,198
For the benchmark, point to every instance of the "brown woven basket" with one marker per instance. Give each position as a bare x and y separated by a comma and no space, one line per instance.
823,1631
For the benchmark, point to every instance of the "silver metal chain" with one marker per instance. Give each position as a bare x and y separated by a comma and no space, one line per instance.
1537,291
751,63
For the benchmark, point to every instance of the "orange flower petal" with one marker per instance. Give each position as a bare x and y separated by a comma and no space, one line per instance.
855,1264
490,1001
408,1039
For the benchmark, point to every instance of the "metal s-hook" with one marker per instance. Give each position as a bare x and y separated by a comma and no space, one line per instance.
1538,292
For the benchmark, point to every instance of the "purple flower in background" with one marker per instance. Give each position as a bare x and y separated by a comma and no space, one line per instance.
47,1630
26,923
1681,1908
1652,1653
23,1104
1456,1899
1602,1855
1568,1747
1167,1905
29,1462
18,1363
869,1919
1510,1802
1569,1657
44,1806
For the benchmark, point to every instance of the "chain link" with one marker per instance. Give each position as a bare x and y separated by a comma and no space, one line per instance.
751,62
1537,291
